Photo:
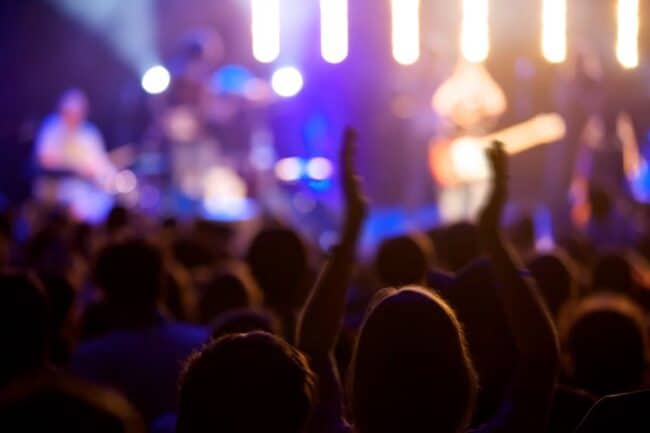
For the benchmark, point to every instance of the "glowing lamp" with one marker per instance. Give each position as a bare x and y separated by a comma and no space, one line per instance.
287,81
156,80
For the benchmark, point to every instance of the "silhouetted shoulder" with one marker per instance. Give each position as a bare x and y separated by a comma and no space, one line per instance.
619,413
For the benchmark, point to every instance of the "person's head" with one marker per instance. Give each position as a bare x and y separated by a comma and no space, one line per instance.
402,261
24,320
278,261
49,250
242,321
48,402
118,221
227,291
606,344
73,107
555,281
457,245
246,383
612,272
411,371
130,275
474,297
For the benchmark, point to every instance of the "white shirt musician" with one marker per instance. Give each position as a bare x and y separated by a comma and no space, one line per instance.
72,148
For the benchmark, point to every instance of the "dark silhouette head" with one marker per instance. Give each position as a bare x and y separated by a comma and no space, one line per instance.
607,344
24,322
457,245
554,280
118,221
402,261
48,250
474,297
612,272
224,292
243,321
130,274
411,371
278,261
246,383
65,404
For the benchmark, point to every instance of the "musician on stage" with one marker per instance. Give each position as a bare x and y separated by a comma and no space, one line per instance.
74,168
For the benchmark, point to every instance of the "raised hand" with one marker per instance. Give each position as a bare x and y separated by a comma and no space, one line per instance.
530,325
356,205
490,216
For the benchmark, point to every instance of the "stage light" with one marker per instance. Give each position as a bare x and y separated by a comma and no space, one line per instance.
468,159
231,79
265,29
334,30
289,169
224,195
287,81
125,182
554,30
319,168
156,80
475,34
627,44
405,30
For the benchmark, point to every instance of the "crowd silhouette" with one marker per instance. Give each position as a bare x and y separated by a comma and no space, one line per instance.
141,325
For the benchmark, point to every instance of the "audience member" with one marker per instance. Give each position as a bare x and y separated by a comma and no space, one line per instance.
606,341
555,281
403,261
141,350
227,291
246,383
57,403
24,326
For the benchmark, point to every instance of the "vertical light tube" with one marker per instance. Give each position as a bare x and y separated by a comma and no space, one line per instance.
627,44
334,30
554,30
405,16
475,33
265,29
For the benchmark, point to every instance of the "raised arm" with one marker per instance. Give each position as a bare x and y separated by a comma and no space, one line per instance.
533,384
322,317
